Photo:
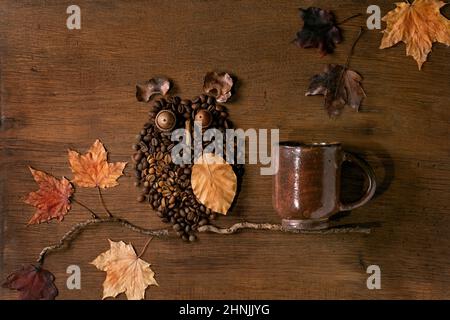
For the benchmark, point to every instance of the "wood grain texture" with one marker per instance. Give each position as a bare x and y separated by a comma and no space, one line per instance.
63,89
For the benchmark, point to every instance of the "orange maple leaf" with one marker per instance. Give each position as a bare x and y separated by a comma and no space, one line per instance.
418,25
93,170
52,200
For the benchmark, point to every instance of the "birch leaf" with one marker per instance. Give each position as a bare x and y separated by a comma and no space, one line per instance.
214,182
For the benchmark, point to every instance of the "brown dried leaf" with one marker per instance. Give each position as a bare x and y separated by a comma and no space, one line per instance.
418,25
52,200
125,272
214,182
319,30
144,91
33,283
93,170
340,86
218,85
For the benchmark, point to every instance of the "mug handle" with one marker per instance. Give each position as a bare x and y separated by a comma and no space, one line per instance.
370,177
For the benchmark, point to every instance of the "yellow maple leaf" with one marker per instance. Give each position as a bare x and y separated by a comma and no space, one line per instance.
125,272
93,170
418,25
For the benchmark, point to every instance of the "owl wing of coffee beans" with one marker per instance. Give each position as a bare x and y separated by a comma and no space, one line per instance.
319,30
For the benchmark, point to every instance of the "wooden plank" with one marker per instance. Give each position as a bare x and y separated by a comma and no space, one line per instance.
63,89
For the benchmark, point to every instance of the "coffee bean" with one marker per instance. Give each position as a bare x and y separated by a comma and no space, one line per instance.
138,156
191,215
192,238
211,100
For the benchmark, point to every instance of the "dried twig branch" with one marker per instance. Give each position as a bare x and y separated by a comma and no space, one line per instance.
278,227
79,227
69,236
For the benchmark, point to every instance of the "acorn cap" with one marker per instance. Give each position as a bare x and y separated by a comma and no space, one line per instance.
165,120
204,117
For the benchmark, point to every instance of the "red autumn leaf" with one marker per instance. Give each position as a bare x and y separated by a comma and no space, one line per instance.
52,200
33,283
319,30
340,86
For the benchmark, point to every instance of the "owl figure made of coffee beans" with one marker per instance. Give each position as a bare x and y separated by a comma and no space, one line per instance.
165,185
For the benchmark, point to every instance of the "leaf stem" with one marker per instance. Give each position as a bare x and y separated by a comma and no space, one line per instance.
145,247
94,215
347,62
349,18
350,53
103,202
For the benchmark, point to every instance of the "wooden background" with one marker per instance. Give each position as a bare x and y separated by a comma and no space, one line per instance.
63,89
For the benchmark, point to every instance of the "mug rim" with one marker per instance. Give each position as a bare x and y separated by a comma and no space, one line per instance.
296,144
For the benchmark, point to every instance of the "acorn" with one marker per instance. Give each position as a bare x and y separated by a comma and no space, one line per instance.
204,117
165,120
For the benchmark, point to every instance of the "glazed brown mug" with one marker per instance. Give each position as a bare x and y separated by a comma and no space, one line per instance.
306,185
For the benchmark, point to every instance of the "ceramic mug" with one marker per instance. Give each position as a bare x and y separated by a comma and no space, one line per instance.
306,187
